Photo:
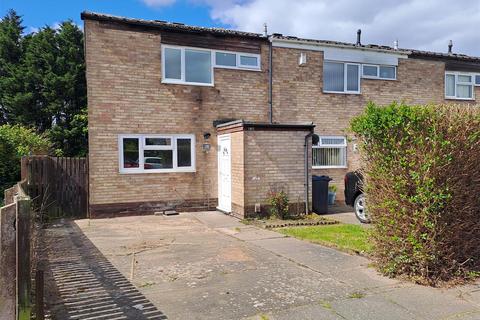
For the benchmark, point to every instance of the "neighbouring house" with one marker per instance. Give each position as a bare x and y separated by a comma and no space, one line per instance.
195,118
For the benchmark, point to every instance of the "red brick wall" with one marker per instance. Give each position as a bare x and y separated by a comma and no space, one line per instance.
125,96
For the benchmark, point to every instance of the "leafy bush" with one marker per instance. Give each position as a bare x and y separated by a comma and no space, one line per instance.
15,142
422,182
279,204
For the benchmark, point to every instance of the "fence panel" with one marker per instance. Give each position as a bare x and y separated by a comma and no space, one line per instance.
57,185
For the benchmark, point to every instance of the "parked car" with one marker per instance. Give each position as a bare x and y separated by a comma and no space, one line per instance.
354,195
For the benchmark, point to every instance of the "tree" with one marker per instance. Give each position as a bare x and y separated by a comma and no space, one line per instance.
42,82
11,53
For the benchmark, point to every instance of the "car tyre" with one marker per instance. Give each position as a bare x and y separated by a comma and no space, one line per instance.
360,208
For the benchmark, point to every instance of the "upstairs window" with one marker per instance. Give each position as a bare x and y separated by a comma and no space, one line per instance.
188,66
477,80
156,153
235,60
379,72
339,77
330,152
459,86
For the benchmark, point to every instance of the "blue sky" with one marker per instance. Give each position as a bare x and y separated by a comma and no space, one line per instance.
416,24
38,13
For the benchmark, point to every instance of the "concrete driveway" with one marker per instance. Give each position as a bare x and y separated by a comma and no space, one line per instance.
210,266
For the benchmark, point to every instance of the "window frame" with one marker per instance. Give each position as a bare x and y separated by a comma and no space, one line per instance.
325,146
378,77
238,66
371,65
475,84
456,75
345,80
142,147
182,66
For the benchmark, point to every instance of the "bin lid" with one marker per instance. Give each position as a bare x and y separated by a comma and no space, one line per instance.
321,178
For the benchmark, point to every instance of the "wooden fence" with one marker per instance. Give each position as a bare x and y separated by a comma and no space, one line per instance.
19,235
50,188
58,186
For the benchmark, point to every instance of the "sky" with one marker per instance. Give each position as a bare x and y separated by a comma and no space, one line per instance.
416,24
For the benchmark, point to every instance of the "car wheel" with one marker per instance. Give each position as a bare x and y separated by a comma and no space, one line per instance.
360,209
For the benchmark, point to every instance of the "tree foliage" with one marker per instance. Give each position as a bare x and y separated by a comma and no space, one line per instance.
42,82
422,186
17,141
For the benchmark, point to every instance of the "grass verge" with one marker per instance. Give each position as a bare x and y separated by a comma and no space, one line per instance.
346,237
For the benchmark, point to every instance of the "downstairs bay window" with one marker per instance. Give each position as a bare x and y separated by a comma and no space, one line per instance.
156,153
330,152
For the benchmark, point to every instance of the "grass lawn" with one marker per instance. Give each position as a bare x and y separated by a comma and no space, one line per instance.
346,237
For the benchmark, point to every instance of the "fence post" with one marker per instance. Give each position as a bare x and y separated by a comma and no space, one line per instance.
24,168
23,260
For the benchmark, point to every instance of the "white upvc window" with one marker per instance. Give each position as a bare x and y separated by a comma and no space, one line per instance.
155,153
341,77
237,60
330,152
459,85
183,65
372,71
477,80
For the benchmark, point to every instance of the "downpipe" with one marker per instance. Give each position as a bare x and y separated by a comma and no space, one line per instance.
306,184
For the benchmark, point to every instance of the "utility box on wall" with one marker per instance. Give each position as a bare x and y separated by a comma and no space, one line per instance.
267,156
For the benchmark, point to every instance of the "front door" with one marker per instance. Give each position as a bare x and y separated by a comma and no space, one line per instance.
224,174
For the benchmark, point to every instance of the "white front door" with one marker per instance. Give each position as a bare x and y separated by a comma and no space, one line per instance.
224,173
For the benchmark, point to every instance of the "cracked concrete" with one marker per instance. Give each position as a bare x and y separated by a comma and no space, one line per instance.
210,266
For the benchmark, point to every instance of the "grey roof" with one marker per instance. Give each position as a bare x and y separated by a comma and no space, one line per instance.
165,25
175,26
410,52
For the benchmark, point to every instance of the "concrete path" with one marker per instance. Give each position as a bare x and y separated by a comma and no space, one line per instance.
210,266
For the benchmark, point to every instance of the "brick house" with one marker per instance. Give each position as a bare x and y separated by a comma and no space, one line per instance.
196,118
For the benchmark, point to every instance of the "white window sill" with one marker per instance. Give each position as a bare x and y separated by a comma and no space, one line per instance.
378,78
140,171
188,83
329,167
455,98
342,92
237,68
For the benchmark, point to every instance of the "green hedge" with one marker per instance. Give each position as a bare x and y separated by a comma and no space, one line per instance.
15,142
422,182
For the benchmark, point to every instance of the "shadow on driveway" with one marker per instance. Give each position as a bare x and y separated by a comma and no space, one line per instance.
81,283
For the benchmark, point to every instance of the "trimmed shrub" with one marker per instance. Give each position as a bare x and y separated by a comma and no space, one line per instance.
422,183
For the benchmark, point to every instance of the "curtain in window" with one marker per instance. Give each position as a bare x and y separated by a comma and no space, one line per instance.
352,77
333,76
325,157
450,85
464,91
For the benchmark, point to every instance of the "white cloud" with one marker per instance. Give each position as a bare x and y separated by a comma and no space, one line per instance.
158,3
31,30
417,24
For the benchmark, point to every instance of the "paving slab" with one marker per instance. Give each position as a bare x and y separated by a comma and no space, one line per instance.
209,265
372,308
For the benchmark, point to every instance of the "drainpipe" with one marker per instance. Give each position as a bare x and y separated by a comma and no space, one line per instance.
270,82
306,184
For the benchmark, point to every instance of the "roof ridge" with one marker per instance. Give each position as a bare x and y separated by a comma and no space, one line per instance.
166,24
